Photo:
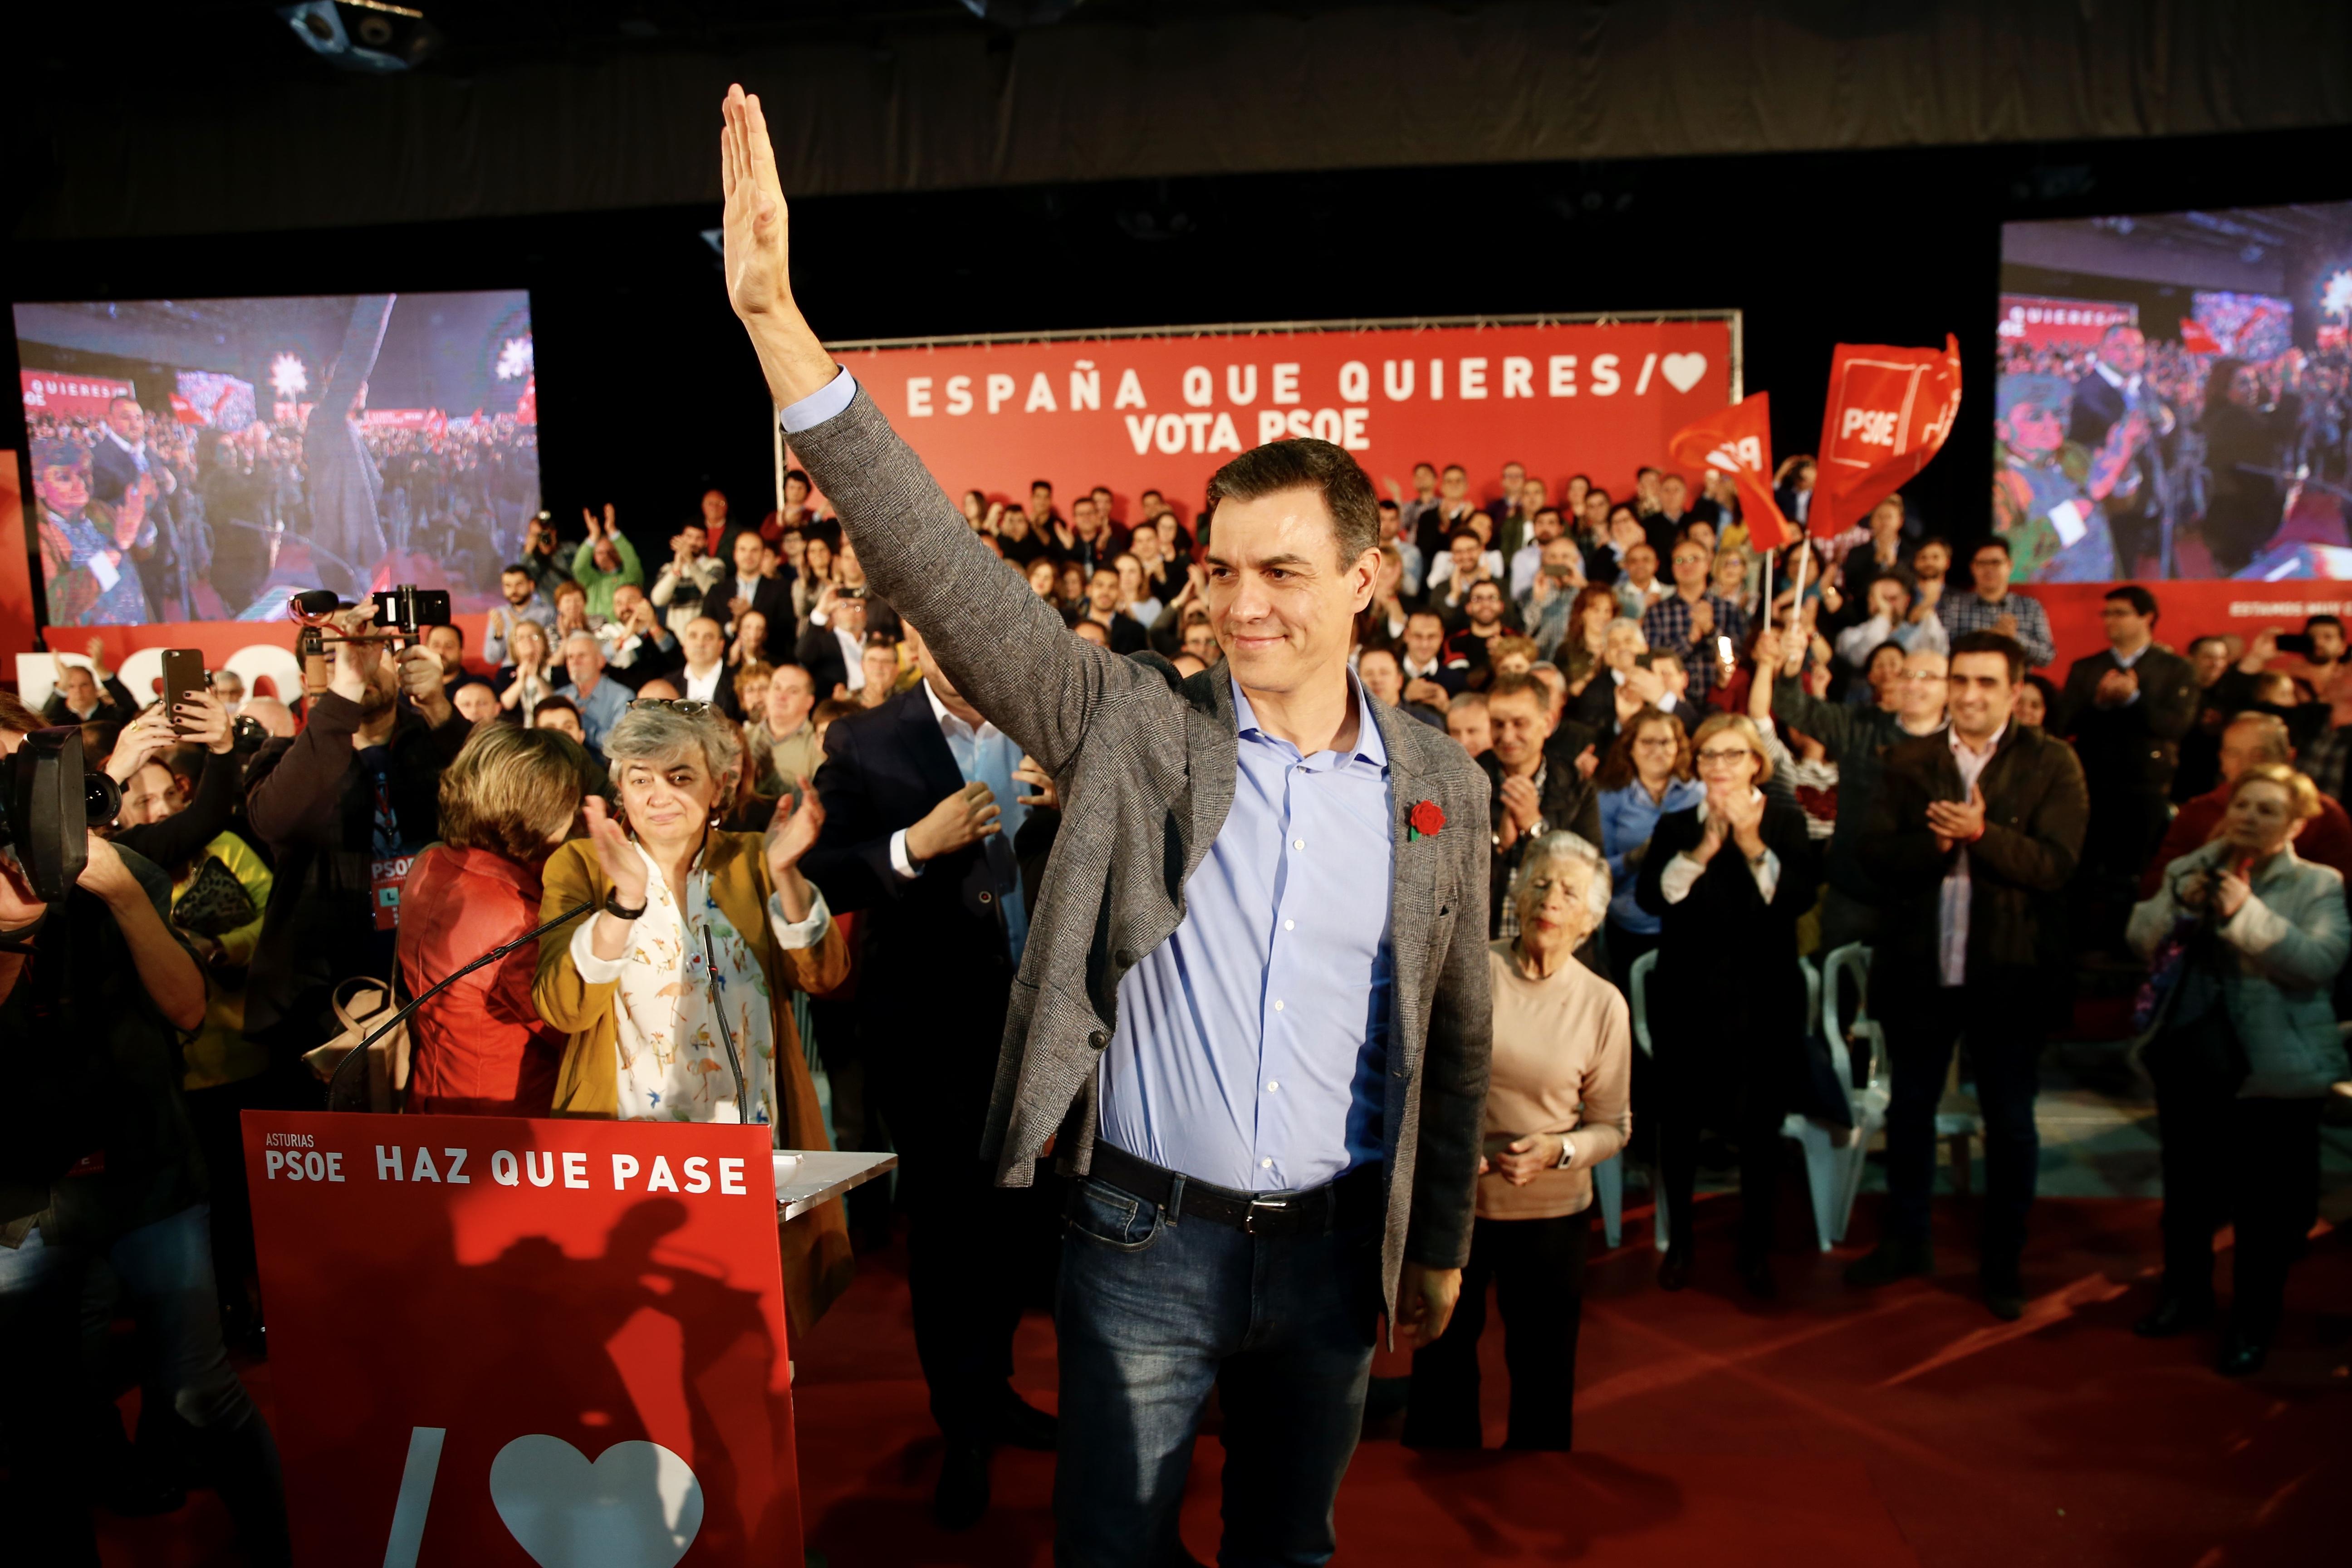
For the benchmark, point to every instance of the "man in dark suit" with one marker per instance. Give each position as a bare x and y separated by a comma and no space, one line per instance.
835,653
920,814
2112,388
745,589
2125,709
1973,832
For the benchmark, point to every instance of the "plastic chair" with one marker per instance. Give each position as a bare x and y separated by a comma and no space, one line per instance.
1835,1157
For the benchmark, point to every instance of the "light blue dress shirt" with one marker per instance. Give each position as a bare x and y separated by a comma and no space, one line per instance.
986,756
601,710
1252,1046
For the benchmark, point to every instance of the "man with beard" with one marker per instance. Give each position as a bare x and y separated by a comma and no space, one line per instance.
341,808
1483,623
88,548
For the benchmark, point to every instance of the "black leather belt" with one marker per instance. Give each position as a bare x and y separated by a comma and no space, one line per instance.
1355,1198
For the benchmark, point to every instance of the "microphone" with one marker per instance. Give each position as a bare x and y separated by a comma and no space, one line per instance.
317,601
360,1051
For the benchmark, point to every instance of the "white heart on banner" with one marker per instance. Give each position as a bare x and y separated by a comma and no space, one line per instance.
1683,370
638,1506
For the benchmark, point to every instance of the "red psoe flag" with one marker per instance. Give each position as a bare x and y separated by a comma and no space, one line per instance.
1889,410
1738,441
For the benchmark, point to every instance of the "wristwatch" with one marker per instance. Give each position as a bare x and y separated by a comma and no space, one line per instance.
619,910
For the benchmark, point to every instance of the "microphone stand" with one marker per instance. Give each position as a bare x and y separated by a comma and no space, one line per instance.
359,1052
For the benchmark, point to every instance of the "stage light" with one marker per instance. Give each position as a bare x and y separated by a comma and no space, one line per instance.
363,34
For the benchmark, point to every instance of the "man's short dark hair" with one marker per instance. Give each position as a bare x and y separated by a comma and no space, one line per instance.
792,474
2312,620
2008,648
1046,485
454,626
1303,463
1994,543
518,569
2142,602
2196,643
1148,494
1387,506
554,705
1518,685
1645,469
1427,615
1931,538
1544,512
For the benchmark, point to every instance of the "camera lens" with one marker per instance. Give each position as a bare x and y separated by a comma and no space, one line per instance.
101,799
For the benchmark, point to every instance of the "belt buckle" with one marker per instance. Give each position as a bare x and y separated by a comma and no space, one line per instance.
1249,1216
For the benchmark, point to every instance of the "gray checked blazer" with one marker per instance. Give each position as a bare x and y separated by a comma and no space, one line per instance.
1146,775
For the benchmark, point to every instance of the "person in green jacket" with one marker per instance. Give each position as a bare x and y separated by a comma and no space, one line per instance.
604,561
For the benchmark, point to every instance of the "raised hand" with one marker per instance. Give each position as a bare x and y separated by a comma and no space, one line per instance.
1033,774
623,867
206,721
793,832
758,255
968,815
140,739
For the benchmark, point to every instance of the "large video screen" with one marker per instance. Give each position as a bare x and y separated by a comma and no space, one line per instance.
196,459
2175,395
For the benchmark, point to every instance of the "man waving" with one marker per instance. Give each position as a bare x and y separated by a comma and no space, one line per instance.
1251,1019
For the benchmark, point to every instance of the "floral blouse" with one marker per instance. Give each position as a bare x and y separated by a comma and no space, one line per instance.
688,982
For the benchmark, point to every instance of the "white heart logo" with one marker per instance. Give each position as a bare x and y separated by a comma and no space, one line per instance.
638,1506
1683,370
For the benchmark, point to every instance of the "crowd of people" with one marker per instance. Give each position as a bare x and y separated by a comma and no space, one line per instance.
1673,769
2111,458
141,518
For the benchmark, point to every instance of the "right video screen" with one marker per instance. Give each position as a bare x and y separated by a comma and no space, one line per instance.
2175,395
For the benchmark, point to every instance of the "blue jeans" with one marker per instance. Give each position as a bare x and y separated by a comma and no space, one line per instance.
1151,1312
166,1272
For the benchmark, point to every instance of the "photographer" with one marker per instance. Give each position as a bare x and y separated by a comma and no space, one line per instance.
98,1163
339,807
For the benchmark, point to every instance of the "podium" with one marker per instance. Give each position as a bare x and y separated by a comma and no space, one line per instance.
506,1342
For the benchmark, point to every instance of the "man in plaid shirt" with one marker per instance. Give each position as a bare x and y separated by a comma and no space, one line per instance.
1689,620
1993,608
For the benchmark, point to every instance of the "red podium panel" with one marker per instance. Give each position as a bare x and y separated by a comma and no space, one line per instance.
511,1343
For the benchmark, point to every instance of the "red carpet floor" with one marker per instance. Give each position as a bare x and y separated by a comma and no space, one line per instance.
1826,1429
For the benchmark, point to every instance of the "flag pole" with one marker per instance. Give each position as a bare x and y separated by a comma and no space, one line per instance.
1792,655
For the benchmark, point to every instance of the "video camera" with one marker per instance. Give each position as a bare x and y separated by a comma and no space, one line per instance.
400,614
48,801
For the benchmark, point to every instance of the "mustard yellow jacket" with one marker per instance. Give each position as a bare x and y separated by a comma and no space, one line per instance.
817,1264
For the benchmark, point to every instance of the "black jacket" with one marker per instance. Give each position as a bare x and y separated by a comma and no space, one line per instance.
1727,1002
772,597
2134,748
2036,810
1569,805
819,652
309,802
935,965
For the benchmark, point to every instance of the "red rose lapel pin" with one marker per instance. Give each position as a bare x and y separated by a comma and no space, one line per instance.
1423,821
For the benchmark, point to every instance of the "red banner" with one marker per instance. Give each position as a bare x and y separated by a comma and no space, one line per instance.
1164,411
506,1342
16,561
1889,410
2069,326
66,396
1738,442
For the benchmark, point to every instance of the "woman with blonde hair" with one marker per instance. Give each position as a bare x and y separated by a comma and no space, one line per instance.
2247,938
530,670
1556,1106
508,799
676,994
1727,878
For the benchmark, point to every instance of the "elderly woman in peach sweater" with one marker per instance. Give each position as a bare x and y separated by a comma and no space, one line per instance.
1557,1105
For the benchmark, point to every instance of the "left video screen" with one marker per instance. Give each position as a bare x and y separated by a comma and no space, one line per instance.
198,459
